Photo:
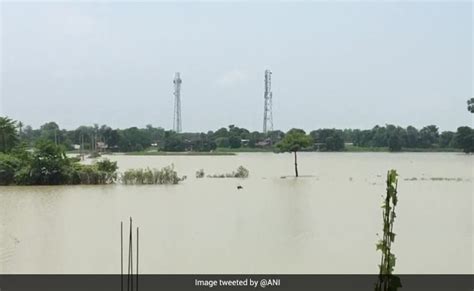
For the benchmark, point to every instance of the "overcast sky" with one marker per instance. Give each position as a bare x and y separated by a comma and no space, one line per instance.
343,65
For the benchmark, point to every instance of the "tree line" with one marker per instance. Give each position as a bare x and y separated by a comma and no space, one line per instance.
134,139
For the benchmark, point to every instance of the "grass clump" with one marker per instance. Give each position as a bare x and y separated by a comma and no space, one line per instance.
241,172
200,173
166,175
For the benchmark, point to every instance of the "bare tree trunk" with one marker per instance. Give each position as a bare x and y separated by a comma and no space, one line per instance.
296,165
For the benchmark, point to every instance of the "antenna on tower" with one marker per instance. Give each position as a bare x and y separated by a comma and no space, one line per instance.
177,125
267,113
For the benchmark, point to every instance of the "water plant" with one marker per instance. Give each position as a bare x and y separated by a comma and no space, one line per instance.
200,173
388,282
241,172
166,175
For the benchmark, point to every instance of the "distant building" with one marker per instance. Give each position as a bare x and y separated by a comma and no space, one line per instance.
264,143
101,145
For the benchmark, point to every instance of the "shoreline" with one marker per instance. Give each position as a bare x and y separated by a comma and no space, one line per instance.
228,152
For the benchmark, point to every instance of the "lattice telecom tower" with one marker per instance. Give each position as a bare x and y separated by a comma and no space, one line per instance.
177,125
267,113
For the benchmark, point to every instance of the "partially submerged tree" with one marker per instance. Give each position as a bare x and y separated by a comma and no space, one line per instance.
294,140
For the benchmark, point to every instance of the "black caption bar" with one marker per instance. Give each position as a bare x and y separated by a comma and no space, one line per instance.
230,282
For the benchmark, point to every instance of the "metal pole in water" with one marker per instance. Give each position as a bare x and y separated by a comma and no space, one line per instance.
131,255
121,255
137,259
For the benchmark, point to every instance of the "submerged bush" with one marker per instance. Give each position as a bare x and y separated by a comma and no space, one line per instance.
200,173
241,172
166,175
101,172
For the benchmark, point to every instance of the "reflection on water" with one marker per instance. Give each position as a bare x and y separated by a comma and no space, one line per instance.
323,223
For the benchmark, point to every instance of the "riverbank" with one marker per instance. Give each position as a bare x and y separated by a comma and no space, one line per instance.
403,150
156,153
232,152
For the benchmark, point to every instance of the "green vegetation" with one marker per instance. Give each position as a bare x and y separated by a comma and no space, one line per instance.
166,175
470,105
352,148
157,153
157,141
241,172
48,164
200,174
465,139
232,151
8,135
386,280
294,141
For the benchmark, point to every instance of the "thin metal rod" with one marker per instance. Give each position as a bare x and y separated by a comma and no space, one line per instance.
136,283
121,255
131,255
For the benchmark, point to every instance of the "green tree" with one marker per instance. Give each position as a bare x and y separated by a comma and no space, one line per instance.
50,131
174,142
8,134
446,139
428,136
464,139
394,143
332,139
294,140
379,138
49,165
397,138
235,142
413,137
222,142
470,105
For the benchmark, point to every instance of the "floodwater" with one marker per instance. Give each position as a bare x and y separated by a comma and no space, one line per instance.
324,222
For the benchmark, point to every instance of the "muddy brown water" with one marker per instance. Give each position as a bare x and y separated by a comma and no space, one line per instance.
324,222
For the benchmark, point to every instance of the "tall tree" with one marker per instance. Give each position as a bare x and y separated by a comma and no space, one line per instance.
8,134
428,136
464,139
294,140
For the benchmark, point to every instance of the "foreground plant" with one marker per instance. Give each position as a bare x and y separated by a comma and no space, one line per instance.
388,282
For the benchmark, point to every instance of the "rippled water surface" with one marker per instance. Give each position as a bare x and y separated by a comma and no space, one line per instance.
324,222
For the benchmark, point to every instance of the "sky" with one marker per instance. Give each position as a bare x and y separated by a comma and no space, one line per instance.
334,64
